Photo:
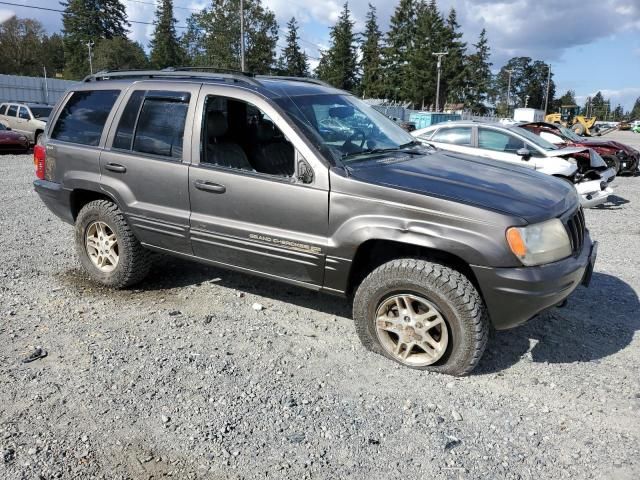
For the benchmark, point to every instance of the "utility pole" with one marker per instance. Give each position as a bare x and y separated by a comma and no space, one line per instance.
509,92
46,87
439,55
242,64
89,45
546,97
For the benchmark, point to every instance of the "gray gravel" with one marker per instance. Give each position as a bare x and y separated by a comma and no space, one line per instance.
186,376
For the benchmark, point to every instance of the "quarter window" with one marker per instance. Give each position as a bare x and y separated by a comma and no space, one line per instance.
13,109
454,136
153,123
83,117
498,141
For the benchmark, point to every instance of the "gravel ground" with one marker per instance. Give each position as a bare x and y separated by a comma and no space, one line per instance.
184,377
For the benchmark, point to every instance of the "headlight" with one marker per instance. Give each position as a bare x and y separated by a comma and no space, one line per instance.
572,160
541,243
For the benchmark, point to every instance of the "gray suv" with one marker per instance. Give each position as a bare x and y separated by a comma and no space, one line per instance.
252,174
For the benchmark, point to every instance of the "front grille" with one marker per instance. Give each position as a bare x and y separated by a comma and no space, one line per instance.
575,228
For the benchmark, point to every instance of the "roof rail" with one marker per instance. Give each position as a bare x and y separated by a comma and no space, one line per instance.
170,73
315,81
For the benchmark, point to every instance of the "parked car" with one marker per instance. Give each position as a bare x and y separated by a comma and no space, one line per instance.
432,246
12,141
581,166
620,157
29,119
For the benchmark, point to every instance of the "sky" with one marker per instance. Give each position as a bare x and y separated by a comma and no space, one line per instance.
592,45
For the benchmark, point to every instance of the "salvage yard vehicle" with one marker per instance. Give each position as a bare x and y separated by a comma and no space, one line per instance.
569,116
581,166
620,157
29,119
12,141
233,170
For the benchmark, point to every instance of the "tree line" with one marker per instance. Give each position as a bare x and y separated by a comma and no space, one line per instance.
397,65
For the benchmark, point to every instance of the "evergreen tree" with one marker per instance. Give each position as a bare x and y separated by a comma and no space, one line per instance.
400,43
453,78
119,53
528,79
479,76
294,60
165,46
371,83
338,65
213,36
89,20
569,98
635,111
21,41
53,54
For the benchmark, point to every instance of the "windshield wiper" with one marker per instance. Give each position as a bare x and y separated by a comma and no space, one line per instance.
399,148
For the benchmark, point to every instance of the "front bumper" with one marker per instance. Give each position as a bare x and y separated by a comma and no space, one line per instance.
592,193
515,295
56,198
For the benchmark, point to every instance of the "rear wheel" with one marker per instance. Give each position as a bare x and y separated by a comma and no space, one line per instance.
108,250
423,315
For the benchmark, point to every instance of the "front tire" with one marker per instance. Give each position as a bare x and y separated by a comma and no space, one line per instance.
423,315
613,162
108,250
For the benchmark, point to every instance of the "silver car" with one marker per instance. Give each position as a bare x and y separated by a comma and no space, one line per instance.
29,119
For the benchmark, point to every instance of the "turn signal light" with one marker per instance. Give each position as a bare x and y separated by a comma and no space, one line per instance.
39,160
516,243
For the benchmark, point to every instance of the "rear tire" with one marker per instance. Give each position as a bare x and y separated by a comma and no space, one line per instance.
108,250
449,296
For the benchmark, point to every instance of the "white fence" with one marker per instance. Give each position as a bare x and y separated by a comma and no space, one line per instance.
14,88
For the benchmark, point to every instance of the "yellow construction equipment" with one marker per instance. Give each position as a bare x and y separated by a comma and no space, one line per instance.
568,117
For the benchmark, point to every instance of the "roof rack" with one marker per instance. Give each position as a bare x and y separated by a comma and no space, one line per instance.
315,81
182,72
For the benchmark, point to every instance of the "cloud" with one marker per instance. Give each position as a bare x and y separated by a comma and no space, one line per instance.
624,96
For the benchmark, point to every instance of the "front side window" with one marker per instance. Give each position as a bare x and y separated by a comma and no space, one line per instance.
153,123
498,141
240,136
41,112
454,136
24,114
12,111
84,116
344,128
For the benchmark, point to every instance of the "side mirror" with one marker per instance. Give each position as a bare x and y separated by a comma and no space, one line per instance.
305,172
524,153
7,128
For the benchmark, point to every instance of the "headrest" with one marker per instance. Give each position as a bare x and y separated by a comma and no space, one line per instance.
217,124
265,131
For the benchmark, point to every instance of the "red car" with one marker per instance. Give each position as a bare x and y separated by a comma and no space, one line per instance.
618,156
12,141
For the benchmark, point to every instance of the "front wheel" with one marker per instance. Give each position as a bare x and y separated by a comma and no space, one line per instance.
108,250
423,315
612,162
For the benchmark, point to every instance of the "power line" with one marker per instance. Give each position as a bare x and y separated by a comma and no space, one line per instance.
175,7
62,11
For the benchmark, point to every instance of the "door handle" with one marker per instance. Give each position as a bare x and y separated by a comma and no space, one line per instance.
210,187
114,167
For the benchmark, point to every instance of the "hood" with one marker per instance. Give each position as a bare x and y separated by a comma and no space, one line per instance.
490,184
561,152
592,142
10,135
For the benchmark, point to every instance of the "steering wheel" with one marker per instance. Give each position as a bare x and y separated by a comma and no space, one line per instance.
356,133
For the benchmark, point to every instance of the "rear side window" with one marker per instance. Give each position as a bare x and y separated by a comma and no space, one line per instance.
153,123
3,109
83,117
454,135
13,109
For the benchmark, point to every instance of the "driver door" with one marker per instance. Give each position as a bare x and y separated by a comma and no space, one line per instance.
503,146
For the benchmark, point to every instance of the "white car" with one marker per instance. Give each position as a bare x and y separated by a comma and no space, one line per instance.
509,143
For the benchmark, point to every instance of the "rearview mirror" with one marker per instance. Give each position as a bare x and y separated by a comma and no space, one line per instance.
341,112
524,153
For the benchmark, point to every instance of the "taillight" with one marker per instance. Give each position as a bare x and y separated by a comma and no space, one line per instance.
39,160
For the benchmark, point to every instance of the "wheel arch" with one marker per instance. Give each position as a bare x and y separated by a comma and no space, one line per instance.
374,252
79,197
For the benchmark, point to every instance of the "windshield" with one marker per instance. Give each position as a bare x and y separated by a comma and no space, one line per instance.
344,128
533,138
2,127
41,112
570,134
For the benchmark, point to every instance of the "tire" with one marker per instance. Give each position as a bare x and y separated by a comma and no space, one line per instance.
133,261
454,298
578,128
612,162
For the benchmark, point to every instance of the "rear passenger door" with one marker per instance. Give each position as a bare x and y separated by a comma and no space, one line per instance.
252,206
145,164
